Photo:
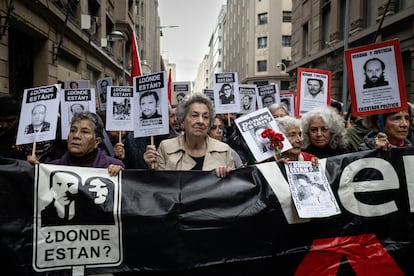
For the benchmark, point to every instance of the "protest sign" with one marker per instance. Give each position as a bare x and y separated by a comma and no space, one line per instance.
226,92
267,95
376,78
102,88
72,101
38,115
77,218
119,110
310,190
252,125
150,103
248,97
180,89
314,89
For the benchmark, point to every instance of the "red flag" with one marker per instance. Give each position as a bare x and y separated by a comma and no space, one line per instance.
169,87
136,64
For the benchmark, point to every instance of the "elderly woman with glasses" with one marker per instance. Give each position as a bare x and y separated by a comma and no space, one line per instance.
291,128
324,132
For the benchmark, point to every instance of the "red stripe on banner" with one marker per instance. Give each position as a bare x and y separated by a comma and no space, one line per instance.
365,254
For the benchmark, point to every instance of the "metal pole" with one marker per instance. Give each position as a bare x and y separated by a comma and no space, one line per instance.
123,60
154,61
345,75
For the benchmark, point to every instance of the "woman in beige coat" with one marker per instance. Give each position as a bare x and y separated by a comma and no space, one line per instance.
194,150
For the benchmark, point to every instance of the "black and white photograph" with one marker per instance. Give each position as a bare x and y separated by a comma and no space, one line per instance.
252,125
119,112
248,94
210,94
376,78
267,95
179,90
311,192
72,101
150,105
226,92
102,88
82,198
76,84
38,120
288,99
314,89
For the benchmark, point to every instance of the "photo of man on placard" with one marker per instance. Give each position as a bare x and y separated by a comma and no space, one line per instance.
315,89
374,73
38,120
149,103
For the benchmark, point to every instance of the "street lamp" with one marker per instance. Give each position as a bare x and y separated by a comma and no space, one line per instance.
118,35
281,64
154,62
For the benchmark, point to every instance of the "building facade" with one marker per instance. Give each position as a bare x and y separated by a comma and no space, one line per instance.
319,36
257,41
45,42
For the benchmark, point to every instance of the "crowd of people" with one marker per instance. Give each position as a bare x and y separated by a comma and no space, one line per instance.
199,139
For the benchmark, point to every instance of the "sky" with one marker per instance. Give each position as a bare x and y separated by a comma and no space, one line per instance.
187,44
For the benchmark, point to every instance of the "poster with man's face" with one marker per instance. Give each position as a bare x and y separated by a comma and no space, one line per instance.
150,103
226,92
102,89
376,78
38,120
77,213
73,101
314,89
180,89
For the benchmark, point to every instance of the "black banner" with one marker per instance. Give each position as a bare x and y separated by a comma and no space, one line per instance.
196,222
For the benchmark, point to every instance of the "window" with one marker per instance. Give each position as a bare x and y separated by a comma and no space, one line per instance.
261,83
326,14
371,12
261,65
262,42
287,16
262,18
284,85
286,40
305,40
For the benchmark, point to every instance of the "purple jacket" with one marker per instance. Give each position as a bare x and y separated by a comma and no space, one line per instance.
101,160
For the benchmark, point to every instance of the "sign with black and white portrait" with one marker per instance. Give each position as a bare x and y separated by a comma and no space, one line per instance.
376,78
38,120
77,218
314,89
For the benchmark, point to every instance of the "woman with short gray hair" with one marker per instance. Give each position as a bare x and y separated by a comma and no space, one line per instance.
194,149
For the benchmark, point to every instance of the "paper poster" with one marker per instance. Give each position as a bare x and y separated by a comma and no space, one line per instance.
77,220
226,93
311,192
267,95
102,90
76,84
376,78
180,90
252,125
150,103
72,101
314,89
288,99
38,115
248,94
119,110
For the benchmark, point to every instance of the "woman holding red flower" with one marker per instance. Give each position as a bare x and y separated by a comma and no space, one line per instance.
291,127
